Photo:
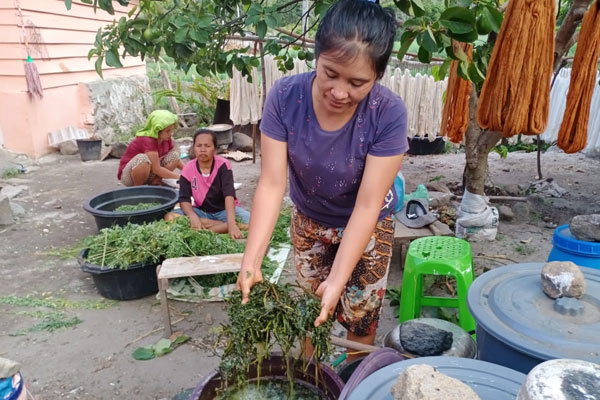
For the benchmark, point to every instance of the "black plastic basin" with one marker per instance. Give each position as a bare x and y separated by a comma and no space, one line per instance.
102,206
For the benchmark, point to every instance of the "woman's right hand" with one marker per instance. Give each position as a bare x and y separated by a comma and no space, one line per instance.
195,223
248,277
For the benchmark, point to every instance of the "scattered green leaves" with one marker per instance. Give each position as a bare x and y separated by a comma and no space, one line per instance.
394,294
9,173
162,347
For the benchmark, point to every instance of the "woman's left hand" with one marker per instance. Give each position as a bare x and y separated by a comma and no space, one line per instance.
330,296
235,232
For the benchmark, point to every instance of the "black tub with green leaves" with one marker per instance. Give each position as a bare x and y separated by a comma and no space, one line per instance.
104,207
138,280
329,385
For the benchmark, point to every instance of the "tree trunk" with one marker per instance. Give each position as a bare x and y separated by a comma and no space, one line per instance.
563,41
478,144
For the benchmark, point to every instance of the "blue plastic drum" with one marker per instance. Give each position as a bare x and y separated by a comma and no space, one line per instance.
568,248
489,381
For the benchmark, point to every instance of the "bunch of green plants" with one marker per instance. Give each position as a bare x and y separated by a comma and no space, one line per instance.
281,230
276,315
136,207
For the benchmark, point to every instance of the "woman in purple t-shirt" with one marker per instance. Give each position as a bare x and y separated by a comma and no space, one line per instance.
341,135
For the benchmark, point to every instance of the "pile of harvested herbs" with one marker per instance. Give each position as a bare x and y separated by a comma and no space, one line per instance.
121,246
136,207
276,315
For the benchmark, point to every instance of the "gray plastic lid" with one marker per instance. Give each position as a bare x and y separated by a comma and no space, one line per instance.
509,304
489,381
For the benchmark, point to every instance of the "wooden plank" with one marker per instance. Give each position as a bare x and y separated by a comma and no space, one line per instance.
78,9
204,265
74,64
16,51
12,34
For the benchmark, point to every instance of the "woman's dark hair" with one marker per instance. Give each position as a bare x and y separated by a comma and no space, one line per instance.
349,23
204,131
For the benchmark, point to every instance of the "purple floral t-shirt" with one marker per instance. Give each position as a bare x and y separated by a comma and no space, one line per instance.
326,167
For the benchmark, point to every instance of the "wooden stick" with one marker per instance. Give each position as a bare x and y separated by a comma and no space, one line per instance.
499,198
153,331
350,344
499,257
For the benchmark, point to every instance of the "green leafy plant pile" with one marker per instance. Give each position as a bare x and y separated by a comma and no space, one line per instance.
136,207
281,230
275,315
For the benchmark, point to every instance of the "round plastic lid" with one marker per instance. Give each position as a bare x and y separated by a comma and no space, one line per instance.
489,381
564,239
509,304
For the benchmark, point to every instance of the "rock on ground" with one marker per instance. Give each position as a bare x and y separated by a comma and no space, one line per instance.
506,213
6,213
586,227
563,279
423,382
241,142
68,148
562,379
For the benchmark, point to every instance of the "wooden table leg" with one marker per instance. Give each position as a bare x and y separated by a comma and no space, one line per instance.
163,284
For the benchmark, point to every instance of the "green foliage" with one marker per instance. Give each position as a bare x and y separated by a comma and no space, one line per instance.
162,347
136,207
504,149
436,178
275,315
524,249
9,173
394,294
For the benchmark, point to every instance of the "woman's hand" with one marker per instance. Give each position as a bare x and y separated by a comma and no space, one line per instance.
248,277
330,296
235,232
196,223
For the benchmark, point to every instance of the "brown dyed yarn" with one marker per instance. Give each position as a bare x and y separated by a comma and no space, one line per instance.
572,136
515,97
455,116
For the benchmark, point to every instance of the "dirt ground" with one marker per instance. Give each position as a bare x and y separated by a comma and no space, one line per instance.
92,359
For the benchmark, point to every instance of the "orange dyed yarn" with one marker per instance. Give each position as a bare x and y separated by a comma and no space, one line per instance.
572,136
515,97
455,116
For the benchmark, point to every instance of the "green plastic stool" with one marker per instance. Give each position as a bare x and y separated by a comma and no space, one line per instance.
437,255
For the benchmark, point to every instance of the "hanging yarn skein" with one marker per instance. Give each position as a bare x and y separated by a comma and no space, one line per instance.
572,135
455,117
515,97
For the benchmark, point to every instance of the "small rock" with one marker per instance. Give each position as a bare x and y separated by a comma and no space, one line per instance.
208,319
551,225
423,339
437,187
12,191
522,211
241,142
586,227
563,278
118,149
439,199
6,213
512,189
68,148
17,209
562,379
423,382
506,213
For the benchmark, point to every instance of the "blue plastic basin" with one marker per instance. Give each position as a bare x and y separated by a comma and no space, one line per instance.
568,248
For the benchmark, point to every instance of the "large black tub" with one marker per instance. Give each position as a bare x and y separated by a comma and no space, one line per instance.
138,280
519,327
102,206
330,384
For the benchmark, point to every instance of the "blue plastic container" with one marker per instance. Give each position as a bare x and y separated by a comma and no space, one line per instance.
519,327
568,248
489,381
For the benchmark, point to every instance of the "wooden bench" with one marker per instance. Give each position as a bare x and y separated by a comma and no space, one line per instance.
403,235
191,266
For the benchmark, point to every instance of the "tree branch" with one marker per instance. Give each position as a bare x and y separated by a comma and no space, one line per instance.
562,42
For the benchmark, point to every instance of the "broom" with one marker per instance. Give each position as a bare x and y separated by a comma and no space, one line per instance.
572,136
515,97
32,76
455,117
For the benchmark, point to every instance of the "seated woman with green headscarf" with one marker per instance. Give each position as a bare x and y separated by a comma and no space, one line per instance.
151,156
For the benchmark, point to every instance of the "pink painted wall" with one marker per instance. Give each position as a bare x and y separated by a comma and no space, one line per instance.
59,41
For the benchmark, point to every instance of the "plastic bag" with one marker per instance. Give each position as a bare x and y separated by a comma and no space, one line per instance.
476,220
399,188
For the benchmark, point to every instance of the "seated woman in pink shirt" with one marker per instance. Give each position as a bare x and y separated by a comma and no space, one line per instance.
151,156
208,181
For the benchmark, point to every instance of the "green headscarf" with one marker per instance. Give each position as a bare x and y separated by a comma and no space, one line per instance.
157,121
